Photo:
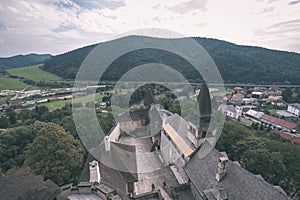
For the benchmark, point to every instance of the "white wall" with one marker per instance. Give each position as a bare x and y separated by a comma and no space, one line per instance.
293,110
115,134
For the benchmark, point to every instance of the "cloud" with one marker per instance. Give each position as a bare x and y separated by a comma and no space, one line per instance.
188,6
99,4
65,26
57,26
294,2
2,27
289,30
287,24
266,10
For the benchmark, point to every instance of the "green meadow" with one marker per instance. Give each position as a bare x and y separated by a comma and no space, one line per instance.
33,73
57,104
12,84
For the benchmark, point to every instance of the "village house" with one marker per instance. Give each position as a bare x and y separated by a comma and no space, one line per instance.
286,115
230,111
173,160
237,98
279,123
294,108
238,89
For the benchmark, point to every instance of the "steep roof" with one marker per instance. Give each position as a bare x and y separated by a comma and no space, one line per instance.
112,176
26,185
180,126
237,97
204,101
179,141
238,182
133,115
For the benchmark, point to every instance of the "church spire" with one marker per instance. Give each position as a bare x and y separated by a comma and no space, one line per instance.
205,110
204,101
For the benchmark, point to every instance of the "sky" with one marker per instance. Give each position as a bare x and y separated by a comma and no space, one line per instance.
58,26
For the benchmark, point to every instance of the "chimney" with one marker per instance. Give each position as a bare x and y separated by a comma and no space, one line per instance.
222,168
107,143
94,171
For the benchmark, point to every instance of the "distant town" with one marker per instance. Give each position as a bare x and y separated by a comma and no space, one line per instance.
260,107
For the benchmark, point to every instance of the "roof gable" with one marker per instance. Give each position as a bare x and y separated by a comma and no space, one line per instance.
239,183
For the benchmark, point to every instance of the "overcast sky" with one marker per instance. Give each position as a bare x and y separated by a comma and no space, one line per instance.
57,26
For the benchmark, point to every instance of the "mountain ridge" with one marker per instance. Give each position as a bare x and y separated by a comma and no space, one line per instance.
236,63
22,60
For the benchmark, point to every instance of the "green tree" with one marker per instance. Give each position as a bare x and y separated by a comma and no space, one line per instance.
4,122
12,116
12,145
55,154
268,164
287,95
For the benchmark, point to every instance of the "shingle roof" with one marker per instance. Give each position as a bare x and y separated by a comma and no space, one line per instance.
27,186
182,192
239,183
112,176
84,196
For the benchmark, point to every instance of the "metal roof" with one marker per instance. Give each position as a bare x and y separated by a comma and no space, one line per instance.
280,122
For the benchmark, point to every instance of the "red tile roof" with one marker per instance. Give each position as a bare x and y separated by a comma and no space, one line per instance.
280,122
237,97
293,138
238,88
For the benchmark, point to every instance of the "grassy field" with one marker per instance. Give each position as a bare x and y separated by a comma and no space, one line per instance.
53,105
272,111
12,84
33,73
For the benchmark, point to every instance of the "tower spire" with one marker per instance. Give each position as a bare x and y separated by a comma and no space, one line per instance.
206,74
205,110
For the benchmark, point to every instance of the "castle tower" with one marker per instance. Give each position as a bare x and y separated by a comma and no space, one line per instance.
205,110
150,99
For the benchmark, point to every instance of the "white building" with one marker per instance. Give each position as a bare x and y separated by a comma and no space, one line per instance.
254,114
230,111
294,109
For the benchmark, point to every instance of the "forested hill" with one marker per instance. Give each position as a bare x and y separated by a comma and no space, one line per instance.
237,64
22,60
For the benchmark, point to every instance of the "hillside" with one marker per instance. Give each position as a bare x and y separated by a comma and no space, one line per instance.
22,60
237,64
34,73
66,65
12,84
